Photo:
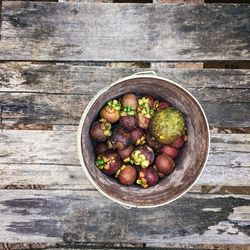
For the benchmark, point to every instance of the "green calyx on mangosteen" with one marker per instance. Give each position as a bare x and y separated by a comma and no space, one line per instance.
127,111
145,106
129,100
100,130
167,125
143,156
147,177
111,111
109,162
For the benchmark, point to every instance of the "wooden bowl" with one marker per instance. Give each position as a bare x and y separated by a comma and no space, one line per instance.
189,164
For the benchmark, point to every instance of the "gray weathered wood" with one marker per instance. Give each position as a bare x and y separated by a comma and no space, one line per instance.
77,79
57,94
40,147
74,217
215,179
30,108
178,1
28,147
124,32
40,159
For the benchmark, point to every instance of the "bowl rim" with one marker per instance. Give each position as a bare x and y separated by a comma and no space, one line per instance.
79,136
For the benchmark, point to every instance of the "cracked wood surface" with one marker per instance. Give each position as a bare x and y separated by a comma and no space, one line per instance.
45,199
58,94
85,216
95,32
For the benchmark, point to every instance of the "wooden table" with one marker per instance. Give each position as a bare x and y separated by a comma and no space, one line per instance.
55,56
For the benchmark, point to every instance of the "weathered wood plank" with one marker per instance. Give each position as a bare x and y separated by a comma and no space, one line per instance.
72,217
57,94
35,176
28,147
76,79
28,156
31,108
178,1
40,147
154,32
215,178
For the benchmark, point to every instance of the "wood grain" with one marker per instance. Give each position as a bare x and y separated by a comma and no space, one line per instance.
74,217
66,78
39,159
72,31
58,94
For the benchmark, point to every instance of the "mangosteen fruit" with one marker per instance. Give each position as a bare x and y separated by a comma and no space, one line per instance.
128,122
129,100
138,136
126,175
143,156
164,164
152,142
179,142
125,154
148,177
170,151
110,111
109,162
100,130
120,138
101,147
162,105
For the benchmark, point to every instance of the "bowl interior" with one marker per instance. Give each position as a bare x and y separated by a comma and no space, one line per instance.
192,156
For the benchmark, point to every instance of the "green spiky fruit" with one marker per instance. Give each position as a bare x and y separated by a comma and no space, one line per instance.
167,125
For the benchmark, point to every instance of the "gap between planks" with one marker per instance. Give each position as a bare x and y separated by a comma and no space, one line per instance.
118,246
32,93
144,64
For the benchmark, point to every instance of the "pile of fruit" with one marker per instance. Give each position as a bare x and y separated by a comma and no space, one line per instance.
137,139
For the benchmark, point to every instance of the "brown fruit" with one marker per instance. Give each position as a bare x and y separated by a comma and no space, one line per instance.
100,130
120,138
100,148
109,162
163,105
170,151
143,156
126,153
138,136
143,121
153,143
110,114
129,100
126,175
148,177
164,164
128,122
179,142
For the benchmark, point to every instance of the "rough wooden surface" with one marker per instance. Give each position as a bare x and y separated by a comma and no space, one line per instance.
58,94
72,31
68,213
40,160
84,216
